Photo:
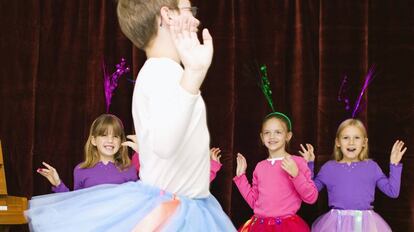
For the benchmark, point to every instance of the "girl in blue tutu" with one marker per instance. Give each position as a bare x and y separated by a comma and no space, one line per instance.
169,116
106,161
351,180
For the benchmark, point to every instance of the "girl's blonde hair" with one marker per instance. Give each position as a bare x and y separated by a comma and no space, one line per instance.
358,124
100,127
138,19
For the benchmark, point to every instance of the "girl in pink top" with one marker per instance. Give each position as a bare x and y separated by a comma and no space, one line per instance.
280,183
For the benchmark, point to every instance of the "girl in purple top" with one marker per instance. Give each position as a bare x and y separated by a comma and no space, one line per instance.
351,180
106,161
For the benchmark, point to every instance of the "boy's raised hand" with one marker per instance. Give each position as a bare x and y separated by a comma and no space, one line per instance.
307,152
241,165
50,173
195,56
397,152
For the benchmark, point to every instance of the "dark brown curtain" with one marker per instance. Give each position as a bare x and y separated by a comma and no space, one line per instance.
51,84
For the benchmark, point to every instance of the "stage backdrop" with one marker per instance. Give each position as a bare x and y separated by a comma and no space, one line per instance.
51,84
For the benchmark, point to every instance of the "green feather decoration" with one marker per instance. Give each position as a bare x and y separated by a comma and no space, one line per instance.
265,86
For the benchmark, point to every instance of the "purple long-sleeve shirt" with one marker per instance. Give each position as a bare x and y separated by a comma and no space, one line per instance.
352,186
99,174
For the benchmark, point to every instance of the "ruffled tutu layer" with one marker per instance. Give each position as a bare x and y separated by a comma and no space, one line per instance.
350,221
291,223
122,208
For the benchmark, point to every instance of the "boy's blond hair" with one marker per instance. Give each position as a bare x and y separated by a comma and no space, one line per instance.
358,124
138,19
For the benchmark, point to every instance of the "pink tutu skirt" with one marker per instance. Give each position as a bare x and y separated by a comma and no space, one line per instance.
350,221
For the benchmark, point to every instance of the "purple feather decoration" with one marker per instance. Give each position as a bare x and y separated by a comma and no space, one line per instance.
111,81
343,95
368,79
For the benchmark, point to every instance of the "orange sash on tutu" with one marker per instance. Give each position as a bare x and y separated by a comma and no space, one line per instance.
158,217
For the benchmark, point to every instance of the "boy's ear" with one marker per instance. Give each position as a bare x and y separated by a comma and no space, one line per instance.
165,17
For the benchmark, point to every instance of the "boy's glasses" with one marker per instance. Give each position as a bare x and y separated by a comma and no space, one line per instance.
193,9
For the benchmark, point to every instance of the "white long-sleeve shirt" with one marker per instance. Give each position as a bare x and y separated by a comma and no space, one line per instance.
171,129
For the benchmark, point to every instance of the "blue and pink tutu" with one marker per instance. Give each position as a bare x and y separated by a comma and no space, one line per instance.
123,207
350,221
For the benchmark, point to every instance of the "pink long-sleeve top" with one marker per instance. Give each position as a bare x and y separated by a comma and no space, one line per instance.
274,193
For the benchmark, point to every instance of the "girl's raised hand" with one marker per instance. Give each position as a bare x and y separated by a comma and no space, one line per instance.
241,165
215,154
50,173
397,152
289,165
133,144
307,152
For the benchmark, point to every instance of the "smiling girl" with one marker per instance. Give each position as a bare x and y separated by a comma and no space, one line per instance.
351,180
106,161
280,183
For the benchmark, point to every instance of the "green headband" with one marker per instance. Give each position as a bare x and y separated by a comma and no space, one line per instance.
265,86
289,123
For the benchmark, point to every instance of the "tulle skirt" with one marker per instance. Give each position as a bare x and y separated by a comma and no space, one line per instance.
291,223
126,207
350,221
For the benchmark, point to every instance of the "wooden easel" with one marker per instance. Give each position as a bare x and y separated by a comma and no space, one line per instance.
3,185
11,208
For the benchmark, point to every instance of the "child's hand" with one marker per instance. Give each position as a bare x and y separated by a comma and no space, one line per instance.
214,154
241,165
396,152
194,55
50,173
289,165
132,144
307,152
